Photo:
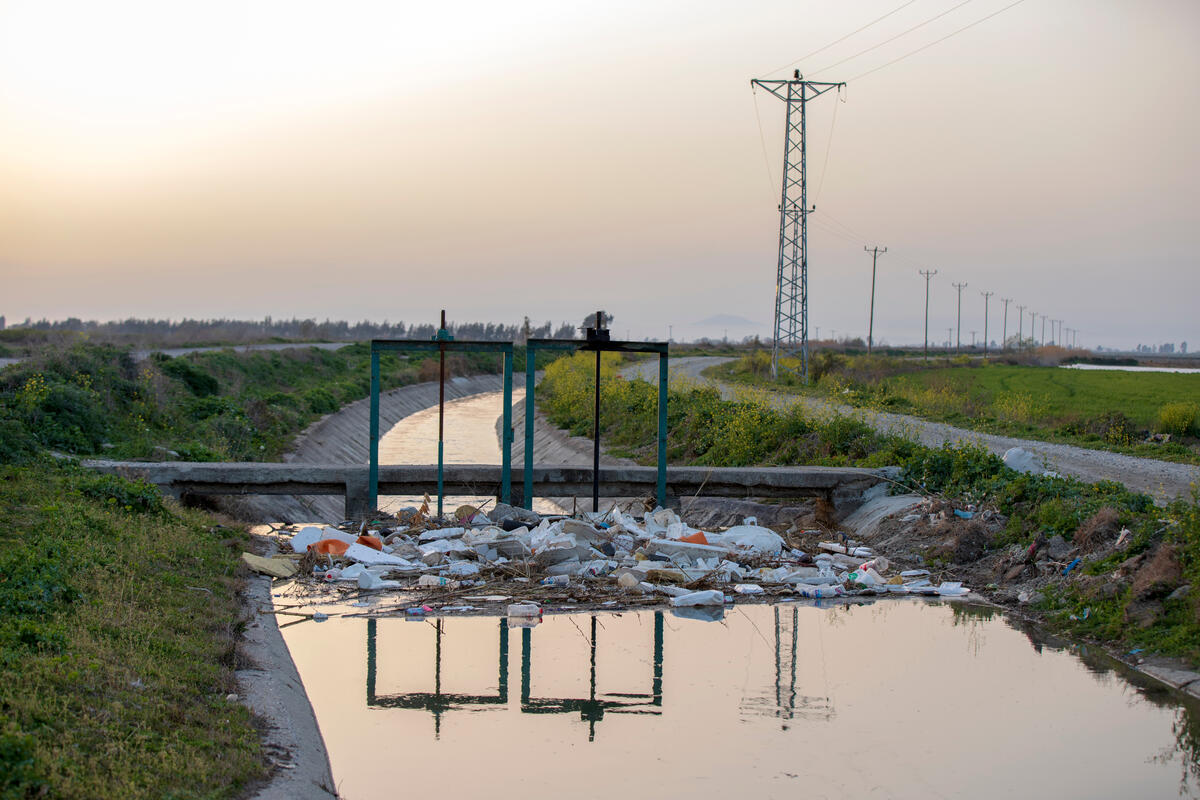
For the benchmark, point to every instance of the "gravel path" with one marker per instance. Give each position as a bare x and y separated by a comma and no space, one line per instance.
1163,480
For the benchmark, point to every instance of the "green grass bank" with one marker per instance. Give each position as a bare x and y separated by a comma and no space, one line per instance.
119,622
1099,409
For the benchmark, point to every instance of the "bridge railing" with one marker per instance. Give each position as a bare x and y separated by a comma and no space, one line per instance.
352,481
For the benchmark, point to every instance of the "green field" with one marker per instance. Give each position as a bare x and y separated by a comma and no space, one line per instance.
1104,409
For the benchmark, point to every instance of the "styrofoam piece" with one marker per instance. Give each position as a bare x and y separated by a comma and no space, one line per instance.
441,533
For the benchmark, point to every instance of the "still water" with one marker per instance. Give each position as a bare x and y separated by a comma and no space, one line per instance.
470,437
899,698
1130,368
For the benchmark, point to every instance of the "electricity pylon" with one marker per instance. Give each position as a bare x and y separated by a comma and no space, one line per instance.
791,280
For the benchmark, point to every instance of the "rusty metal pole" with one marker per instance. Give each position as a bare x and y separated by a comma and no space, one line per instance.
596,431
441,412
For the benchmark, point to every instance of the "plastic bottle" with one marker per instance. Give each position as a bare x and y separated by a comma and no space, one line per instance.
879,564
557,580
524,610
435,580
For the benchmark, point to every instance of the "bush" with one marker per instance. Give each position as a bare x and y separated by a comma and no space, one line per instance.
133,496
198,382
17,444
1114,428
320,400
1179,419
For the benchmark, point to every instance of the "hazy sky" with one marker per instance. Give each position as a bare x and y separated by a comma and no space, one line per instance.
383,160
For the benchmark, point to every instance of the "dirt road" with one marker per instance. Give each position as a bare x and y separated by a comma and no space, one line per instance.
1163,480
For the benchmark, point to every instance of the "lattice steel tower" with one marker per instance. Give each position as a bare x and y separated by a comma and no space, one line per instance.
791,282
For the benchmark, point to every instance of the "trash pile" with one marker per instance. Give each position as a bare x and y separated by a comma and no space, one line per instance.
601,559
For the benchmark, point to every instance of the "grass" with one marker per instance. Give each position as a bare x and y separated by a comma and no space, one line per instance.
702,428
1107,410
216,406
118,630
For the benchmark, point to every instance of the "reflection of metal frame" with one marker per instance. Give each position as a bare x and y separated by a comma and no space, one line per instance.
440,345
597,344
437,701
591,708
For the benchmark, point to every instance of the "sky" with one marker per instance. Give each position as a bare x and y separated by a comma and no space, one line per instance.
384,160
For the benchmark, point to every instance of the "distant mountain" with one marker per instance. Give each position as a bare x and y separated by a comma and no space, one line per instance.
728,321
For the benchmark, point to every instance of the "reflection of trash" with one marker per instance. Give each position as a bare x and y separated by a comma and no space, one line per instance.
701,613
606,559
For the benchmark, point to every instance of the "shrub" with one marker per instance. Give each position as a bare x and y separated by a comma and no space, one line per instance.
1114,428
320,400
198,382
133,496
1179,419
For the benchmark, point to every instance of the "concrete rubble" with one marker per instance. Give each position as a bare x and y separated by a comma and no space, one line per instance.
509,560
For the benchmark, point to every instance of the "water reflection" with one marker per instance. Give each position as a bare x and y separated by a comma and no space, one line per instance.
900,698
591,708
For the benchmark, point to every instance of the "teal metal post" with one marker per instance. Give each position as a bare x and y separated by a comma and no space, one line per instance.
527,489
506,435
662,429
373,473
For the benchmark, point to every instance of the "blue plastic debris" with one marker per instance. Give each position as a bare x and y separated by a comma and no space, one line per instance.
958,512
1072,565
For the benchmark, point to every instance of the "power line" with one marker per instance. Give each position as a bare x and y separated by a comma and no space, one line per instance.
844,38
762,139
918,26
937,41
828,147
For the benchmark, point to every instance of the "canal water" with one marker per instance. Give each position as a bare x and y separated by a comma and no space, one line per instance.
896,698
899,698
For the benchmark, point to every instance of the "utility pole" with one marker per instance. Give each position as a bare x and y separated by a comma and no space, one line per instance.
972,340
1044,330
958,334
987,296
1004,333
1059,333
1020,325
949,339
874,251
1033,328
928,273
791,278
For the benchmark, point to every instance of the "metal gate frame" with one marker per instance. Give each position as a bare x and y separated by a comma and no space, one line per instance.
596,345
441,345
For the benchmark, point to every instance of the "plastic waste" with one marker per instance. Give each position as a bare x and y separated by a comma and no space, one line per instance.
331,547
628,580
369,580
706,598
748,588
435,580
524,610
952,589
557,580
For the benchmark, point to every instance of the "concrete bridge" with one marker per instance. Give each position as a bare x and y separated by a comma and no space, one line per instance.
183,478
